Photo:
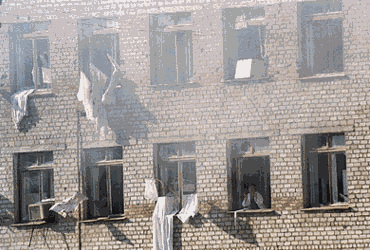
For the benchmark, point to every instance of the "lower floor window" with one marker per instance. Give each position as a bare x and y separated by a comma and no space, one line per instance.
251,183
325,171
104,188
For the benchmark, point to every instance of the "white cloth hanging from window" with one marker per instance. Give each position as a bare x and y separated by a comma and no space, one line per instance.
151,192
97,91
68,205
190,208
19,106
162,218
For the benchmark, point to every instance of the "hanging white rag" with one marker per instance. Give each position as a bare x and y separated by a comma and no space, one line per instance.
190,208
46,75
151,192
68,205
19,105
114,81
84,95
164,211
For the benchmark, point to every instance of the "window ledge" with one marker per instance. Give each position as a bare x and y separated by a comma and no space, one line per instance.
328,15
253,211
111,218
174,85
328,208
325,76
109,162
31,223
41,92
249,80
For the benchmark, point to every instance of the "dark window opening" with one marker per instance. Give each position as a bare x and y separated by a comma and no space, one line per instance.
176,170
321,39
243,40
171,50
325,173
36,181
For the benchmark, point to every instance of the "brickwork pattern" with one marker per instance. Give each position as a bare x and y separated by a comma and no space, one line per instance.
210,112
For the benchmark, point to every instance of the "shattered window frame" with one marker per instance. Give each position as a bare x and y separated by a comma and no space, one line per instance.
35,180
244,37
171,48
172,159
249,164
321,37
103,182
91,32
28,41
324,158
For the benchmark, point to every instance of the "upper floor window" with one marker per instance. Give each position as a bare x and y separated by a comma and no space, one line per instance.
171,57
30,59
250,173
325,171
35,182
104,181
98,39
177,170
244,43
321,40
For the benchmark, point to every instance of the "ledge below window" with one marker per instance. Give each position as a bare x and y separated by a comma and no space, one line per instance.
29,224
253,211
327,76
113,218
41,92
248,80
327,208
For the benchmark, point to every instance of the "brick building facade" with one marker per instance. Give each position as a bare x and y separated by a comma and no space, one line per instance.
298,129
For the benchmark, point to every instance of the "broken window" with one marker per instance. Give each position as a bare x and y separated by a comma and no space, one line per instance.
325,172
244,43
321,39
176,170
98,38
171,48
250,173
104,182
35,180
31,58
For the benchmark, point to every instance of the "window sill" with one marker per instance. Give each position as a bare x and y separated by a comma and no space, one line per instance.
327,208
112,218
253,211
327,76
29,224
175,85
248,80
41,92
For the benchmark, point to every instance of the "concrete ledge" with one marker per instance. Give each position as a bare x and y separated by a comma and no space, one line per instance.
29,224
36,148
336,129
327,208
117,218
253,211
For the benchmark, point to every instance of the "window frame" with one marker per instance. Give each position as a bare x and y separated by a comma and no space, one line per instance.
88,30
107,163
311,179
37,31
172,29
307,44
41,168
239,153
179,158
235,21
